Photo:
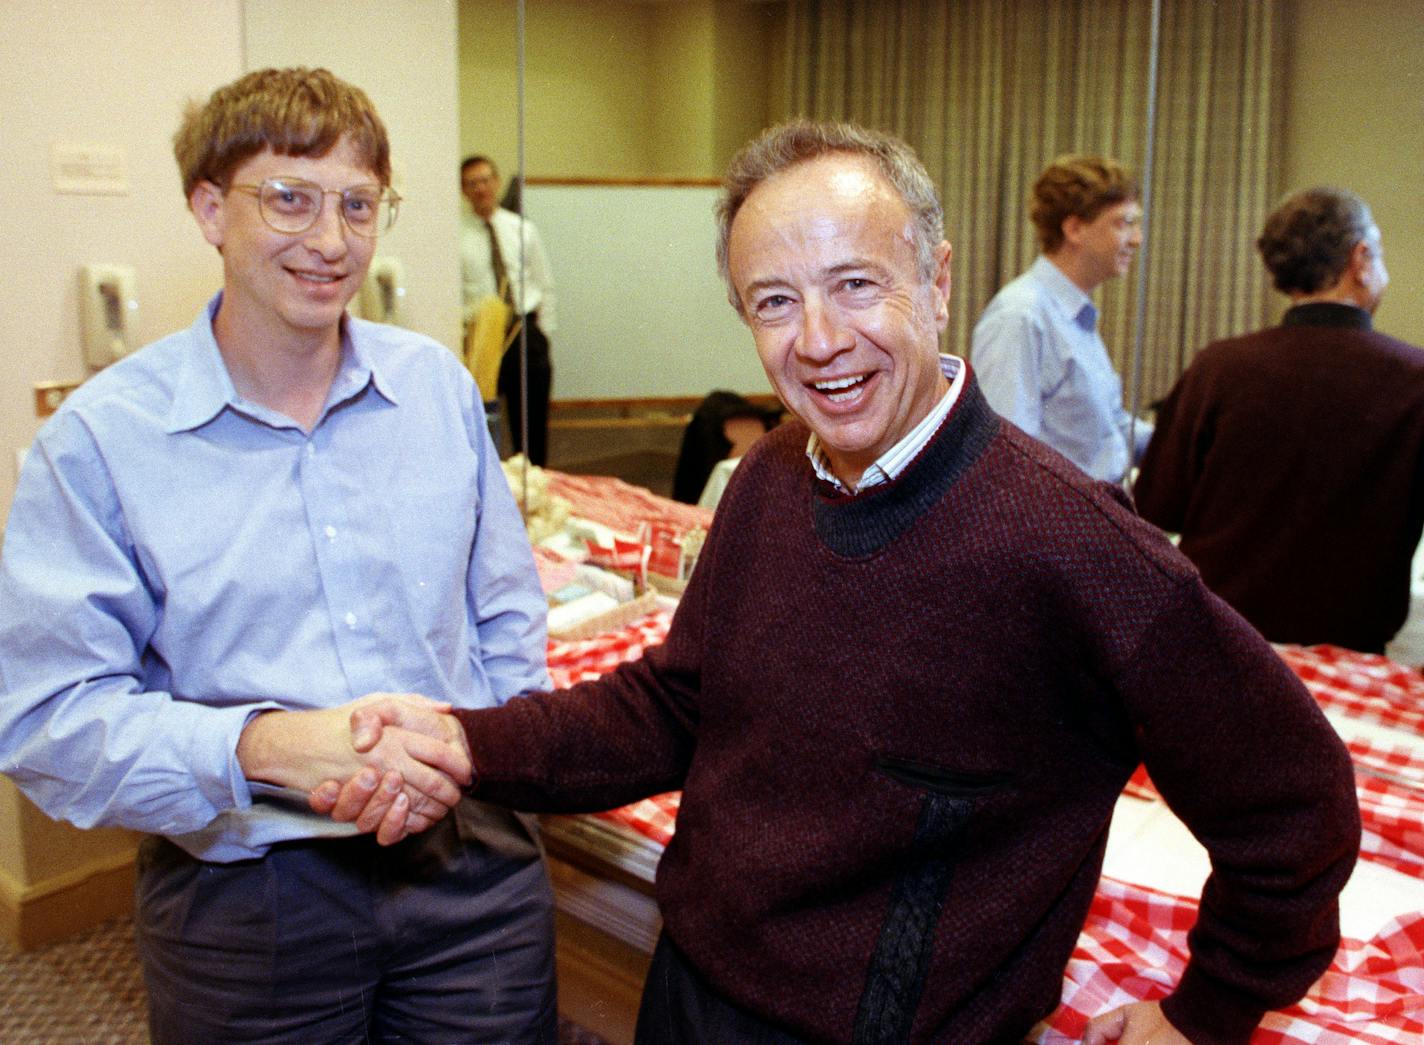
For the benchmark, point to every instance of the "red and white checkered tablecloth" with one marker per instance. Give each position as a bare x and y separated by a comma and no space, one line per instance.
653,818
635,513
578,660
1365,686
622,506
1389,781
1401,763
1392,817
555,571
1134,947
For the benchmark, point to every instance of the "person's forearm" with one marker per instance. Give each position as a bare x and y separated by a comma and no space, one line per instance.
300,749
268,751
106,753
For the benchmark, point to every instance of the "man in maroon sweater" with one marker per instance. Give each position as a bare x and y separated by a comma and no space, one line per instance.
1291,460
919,658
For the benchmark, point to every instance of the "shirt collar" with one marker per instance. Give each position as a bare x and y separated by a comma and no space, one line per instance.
895,460
205,388
1076,303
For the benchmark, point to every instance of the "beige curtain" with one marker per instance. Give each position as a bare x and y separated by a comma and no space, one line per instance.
989,91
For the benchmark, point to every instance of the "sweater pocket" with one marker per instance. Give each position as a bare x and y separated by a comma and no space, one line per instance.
939,779
899,966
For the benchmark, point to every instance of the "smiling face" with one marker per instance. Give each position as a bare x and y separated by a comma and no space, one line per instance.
283,286
1107,244
822,257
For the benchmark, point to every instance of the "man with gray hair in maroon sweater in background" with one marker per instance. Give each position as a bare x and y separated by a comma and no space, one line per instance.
1291,460
919,658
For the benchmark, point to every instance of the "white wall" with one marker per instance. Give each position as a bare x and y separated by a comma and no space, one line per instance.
642,311
1354,109
117,77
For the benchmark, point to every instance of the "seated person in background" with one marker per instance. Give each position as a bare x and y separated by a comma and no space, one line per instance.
919,657
222,541
1291,460
1036,350
723,425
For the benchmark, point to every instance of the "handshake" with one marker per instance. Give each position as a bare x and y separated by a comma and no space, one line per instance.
391,763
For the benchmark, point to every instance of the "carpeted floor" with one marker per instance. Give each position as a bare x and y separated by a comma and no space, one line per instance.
84,989
88,990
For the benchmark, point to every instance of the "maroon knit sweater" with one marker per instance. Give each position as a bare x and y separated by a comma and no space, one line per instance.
1291,461
901,721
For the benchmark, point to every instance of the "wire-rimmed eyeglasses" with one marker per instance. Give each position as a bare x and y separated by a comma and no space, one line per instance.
292,205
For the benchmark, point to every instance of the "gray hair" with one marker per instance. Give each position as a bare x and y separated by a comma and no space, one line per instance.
789,144
1308,239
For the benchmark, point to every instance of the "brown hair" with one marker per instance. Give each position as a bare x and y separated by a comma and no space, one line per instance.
295,112
1309,237
1076,187
470,161
784,146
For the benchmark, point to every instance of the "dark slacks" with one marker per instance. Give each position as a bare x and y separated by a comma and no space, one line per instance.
445,937
541,382
679,1008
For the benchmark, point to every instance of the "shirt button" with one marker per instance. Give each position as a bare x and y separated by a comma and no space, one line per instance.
330,533
311,449
351,620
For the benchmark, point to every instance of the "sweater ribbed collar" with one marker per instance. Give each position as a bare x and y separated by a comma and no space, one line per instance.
862,525
1327,314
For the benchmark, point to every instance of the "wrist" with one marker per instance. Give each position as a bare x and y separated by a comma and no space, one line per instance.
1203,1009
258,748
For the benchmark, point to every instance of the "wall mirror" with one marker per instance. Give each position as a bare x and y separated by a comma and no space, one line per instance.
631,109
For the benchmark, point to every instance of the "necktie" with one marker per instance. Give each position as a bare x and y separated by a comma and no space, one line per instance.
501,273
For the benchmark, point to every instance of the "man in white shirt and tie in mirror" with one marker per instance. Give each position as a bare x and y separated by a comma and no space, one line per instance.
502,254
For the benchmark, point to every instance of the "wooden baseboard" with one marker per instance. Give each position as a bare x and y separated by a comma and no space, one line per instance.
39,914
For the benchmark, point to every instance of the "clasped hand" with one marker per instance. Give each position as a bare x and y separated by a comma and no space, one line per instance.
416,790
393,763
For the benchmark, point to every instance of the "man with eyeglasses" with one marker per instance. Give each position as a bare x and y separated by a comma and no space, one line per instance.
223,544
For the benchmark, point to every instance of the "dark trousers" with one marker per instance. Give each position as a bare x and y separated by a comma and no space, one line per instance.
445,937
541,382
679,1008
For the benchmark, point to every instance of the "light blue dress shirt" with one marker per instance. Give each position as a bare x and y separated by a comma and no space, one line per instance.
1042,364
178,558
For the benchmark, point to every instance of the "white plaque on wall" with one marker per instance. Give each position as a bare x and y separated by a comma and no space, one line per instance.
92,170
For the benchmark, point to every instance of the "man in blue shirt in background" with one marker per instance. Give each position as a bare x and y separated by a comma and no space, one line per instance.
218,546
1036,349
